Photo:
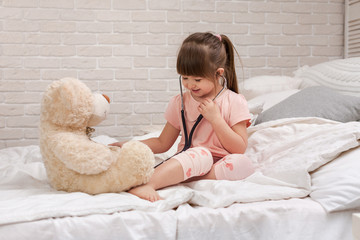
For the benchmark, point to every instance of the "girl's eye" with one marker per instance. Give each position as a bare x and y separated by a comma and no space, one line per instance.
198,80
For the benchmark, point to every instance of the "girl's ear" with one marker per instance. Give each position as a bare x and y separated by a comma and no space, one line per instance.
220,71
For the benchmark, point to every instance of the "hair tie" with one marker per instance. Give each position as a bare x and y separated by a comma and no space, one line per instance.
218,36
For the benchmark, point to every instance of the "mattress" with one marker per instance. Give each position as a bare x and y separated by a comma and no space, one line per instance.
282,219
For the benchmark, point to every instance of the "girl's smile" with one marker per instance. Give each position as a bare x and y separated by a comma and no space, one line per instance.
200,87
195,90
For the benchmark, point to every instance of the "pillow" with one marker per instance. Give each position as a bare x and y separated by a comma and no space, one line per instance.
260,85
270,99
315,101
264,102
342,75
336,185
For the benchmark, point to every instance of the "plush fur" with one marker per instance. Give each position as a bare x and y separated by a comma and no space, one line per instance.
75,163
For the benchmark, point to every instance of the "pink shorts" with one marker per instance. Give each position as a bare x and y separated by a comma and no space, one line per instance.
198,161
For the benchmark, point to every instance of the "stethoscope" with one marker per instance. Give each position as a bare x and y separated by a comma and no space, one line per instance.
187,137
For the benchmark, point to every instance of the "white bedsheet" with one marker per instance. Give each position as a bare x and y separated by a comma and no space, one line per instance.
284,150
290,219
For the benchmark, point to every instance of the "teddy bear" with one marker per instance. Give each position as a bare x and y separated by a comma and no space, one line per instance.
74,162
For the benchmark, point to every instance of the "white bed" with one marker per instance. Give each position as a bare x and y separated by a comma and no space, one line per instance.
306,185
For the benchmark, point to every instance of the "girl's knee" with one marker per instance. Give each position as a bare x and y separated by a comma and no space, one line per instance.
234,167
195,161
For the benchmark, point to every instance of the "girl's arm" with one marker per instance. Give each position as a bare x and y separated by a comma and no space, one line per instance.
162,143
233,139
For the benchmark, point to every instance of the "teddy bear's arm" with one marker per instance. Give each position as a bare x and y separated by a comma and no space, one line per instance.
80,154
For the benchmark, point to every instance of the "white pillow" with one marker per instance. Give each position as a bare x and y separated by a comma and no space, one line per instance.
336,185
256,107
342,75
260,85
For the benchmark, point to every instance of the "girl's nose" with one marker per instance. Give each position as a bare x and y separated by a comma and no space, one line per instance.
192,85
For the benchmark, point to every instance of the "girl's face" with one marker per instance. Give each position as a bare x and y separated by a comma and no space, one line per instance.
200,87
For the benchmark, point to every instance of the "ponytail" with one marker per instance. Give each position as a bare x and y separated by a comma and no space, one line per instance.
230,71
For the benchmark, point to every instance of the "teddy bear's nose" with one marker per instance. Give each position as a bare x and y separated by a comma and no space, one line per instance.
107,98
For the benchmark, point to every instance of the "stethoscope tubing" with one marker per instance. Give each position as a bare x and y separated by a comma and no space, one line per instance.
188,138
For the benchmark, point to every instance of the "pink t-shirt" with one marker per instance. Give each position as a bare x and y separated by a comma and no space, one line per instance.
233,108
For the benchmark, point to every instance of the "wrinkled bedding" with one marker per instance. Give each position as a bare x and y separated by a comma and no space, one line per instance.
291,219
285,152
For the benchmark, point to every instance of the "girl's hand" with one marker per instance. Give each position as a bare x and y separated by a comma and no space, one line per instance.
210,110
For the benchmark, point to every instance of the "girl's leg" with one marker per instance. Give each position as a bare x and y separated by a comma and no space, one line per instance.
231,167
234,167
167,174
193,162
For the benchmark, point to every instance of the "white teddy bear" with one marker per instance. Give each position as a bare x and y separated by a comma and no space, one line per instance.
73,161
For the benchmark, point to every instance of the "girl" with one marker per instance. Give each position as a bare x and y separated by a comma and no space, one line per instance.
205,63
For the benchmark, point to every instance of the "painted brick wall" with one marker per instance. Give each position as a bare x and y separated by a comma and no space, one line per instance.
127,49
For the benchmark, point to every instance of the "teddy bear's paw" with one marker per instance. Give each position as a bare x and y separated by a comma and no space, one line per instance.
139,153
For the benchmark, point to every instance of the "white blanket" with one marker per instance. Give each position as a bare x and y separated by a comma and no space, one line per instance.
285,151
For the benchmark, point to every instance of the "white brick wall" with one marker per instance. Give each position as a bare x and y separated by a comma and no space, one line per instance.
127,49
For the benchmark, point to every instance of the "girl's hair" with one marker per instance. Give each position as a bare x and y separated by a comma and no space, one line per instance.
201,54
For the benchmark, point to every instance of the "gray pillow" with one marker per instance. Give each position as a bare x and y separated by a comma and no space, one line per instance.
317,101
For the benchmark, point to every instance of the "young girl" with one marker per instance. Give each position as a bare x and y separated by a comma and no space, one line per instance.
205,62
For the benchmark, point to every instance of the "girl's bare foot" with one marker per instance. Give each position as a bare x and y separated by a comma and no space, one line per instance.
167,174
145,192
